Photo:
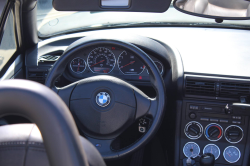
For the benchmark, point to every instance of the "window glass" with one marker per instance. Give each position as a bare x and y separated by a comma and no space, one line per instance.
8,42
2,4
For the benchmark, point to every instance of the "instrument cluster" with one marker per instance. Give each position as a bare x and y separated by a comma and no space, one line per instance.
110,60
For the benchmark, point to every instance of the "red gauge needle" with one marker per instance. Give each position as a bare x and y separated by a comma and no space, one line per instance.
78,66
228,155
97,63
127,64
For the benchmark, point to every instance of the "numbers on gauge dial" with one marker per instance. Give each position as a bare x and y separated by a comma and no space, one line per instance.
212,148
191,149
232,154
129,64
101,60
78,65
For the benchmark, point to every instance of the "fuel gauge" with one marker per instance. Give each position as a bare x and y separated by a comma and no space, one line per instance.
78,65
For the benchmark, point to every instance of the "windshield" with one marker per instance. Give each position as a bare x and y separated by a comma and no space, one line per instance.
51,22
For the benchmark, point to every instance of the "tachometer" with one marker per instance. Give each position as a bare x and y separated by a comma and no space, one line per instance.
101,60
129,64
78,65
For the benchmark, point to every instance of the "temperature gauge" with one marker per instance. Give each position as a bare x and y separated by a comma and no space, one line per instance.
191,149
212,148
78,65
231,154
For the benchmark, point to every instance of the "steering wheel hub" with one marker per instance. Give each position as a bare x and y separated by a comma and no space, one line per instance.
103,99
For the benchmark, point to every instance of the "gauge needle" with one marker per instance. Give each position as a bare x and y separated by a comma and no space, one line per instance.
127,64
97,63
78,66
228,155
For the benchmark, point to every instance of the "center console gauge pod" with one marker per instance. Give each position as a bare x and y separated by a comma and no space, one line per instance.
213,132
193,130
191,149
213,149
234,134
232,154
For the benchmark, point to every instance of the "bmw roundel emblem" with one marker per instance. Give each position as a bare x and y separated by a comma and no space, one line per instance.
103,99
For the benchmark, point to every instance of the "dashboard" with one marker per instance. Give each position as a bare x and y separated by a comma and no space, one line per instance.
109,60
202,75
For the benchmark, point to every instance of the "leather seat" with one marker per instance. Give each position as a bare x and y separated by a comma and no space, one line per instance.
22,145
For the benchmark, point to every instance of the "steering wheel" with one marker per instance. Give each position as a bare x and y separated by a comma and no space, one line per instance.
105,105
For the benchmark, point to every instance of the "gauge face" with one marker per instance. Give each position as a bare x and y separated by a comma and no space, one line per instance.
129,64
78,65
231,154
101,60
191,149
212,148
159,66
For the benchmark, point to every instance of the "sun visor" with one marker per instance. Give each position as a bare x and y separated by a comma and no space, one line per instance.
112,5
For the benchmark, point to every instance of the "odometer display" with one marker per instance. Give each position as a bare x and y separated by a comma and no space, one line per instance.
129,64
101,60
78,65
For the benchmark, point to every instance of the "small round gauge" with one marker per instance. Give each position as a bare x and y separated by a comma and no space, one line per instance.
78,65
212,148
191,149
159,66
101,60
129,64
231,154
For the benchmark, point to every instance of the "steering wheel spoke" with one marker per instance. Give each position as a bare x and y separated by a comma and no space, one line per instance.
65,92
104,147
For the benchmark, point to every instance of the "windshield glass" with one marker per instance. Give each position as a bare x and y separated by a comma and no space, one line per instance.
51,22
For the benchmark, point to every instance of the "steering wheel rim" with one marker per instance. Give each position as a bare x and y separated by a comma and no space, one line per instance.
45,108
157,105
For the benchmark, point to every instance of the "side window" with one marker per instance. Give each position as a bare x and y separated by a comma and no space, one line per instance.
2,4
8,44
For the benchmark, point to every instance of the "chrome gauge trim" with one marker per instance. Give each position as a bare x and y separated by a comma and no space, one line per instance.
120,69
217,125
200,126
212,145
161,72
112,54
236,149
233,126
191,143
71,66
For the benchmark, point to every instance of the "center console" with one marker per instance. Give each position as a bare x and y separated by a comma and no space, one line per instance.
207,128
206,125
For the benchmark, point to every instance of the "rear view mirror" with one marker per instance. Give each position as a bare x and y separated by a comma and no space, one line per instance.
216,9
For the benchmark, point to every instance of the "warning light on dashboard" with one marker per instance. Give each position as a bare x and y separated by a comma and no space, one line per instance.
112,48
140,77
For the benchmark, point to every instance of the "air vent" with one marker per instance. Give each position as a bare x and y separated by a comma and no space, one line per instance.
203,88
48,58
38,76
234,90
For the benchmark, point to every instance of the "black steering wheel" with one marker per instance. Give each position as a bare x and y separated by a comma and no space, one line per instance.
105,105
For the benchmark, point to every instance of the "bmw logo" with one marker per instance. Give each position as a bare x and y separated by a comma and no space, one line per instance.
103,99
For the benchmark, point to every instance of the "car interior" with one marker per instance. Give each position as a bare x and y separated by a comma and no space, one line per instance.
124,83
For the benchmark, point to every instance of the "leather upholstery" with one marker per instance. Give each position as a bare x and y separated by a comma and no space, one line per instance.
22,145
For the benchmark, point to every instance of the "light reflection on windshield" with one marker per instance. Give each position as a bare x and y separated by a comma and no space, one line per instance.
51,22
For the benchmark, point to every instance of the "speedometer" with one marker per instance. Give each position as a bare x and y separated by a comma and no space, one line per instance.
101,60
129,64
